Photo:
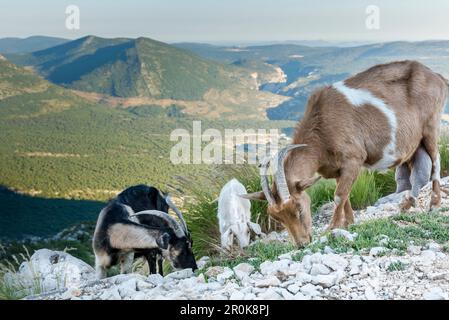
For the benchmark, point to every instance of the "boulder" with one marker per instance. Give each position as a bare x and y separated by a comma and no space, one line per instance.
336,233
181,274
50,270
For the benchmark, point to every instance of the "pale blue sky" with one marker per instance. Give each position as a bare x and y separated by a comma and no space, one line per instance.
230,20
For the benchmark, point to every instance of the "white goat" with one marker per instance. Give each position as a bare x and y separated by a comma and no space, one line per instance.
234,216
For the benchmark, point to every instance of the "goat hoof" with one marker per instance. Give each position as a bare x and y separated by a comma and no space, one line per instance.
435,203
407,204
338,225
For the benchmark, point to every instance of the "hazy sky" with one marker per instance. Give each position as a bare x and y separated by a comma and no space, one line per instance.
230,20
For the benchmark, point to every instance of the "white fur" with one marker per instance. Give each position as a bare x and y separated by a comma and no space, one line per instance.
360,97
436,173
337,200
234,215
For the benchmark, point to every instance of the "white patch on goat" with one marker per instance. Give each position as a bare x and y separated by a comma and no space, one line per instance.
437,168
360,97
337,200
129,209
128,237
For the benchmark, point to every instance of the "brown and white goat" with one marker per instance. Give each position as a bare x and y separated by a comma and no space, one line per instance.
375,119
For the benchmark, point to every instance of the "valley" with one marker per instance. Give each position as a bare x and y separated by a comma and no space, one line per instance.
82,119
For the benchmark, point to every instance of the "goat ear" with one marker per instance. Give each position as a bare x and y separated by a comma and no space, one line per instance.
163,240
260,196
306,183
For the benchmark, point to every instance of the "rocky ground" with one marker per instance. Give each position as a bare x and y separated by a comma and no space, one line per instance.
419,272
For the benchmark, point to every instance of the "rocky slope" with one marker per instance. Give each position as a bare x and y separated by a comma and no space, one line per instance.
419,272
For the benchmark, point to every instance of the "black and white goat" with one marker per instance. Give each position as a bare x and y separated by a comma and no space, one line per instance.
118,235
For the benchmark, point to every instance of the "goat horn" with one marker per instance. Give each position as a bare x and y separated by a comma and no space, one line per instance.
264,180
170,220
281,182
178,213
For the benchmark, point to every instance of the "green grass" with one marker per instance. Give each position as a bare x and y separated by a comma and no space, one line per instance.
254,255
202,209
15,290
320,193
396,266
401,230
444,153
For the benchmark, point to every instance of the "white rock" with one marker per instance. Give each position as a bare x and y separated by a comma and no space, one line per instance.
356,261
326,281
144,285
293,288
287,295
369,294
306,263
181,274
319,268
316,257
285,256
210,286
155,279
249,296
268,267
427,257
51,270
269,294
242,270
128,288
227,273
139,296
202,262
303,278
328,250
111,294
323,239
294,268
344,234
393,198
435,293
188,283
70,294
214,271
237,295
271,281
377,251
335,262
433,246
300,296
310,290
354,270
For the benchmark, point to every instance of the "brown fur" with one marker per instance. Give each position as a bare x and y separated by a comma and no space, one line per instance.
341,138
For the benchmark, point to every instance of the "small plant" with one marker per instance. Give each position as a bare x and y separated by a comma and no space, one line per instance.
396,266
14,289
254,254
444,153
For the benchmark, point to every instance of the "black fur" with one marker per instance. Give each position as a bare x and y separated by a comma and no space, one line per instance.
141,198
185,258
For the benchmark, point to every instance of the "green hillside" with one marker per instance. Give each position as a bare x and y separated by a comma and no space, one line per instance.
130,68
56,146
